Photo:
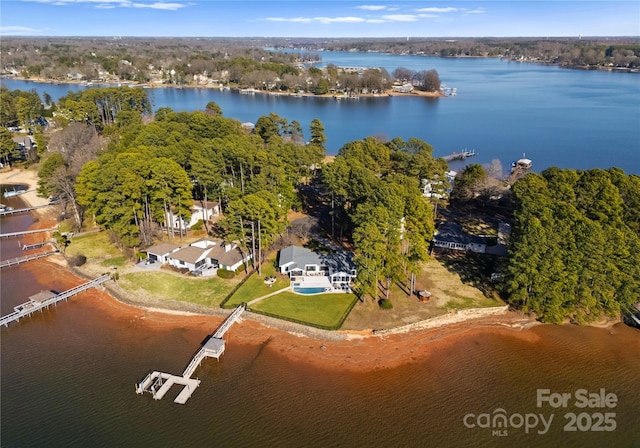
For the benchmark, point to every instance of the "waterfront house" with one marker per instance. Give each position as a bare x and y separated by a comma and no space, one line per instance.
228,256
205,211
205,256
452,236
300,262
405,88
160,252
26,145
202,210
437,187
191,258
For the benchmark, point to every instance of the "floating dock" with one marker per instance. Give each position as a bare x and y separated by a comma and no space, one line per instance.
159,383
459,155
45,299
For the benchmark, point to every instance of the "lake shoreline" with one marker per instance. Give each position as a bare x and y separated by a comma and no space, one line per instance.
346,351
386,93
360,351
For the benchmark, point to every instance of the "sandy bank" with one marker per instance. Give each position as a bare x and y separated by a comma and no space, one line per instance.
17,176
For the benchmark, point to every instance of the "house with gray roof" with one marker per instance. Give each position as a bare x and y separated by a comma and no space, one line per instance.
451,236
205,256
160,252
301,262
190,257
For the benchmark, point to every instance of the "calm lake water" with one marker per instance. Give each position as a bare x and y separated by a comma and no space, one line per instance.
557,117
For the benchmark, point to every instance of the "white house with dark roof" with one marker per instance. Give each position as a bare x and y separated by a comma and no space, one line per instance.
204,210
201,210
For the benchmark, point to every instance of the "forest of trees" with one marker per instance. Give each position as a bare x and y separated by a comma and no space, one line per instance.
575,248
377,204
128,175
570,52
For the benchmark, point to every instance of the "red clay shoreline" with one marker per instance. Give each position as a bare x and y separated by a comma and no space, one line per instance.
358,353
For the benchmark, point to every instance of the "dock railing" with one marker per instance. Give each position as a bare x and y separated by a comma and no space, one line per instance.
31,306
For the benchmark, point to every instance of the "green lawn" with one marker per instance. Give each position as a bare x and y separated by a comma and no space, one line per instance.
115,262
323,309
93,245
255,286
160,285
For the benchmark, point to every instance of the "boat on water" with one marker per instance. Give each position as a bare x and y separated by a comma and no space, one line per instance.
12,193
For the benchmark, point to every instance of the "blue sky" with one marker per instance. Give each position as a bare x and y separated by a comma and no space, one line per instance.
314,18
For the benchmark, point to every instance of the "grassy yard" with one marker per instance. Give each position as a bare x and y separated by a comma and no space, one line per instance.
93,246
460,303
255,286
164,286
322,309
449,291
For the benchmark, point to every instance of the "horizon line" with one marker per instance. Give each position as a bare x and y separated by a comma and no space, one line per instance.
113,36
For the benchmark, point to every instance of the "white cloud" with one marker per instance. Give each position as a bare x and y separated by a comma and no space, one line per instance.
110,4
400,17
160,5
433,9
19,31
475,11
427,16
322,20
372,7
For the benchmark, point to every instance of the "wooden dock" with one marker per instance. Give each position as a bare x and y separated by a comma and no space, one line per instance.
158,383
23,210
459,155
37,245
46,299
27,232
25,259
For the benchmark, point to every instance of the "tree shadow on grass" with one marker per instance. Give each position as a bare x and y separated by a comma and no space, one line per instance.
474,269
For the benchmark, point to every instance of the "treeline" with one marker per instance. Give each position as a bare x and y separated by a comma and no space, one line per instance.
134,59
132,177
575,248
240,63
568,52
19,109
377,204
